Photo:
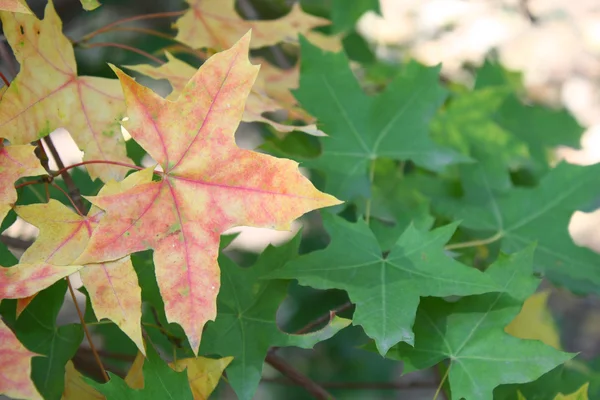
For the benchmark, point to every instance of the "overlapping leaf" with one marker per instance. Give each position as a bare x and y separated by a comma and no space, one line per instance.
386,289
48,94
216,24
535,321
15,367
246,327
15,162
37,329
470,333
15,6
76,388
203,373
178,73
112,286
160,382
209,185
362,128
524,215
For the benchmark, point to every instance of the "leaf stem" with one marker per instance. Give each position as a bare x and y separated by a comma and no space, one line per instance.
6,82
109,27
323,318
442,381
368,203
87,332
27,183
63,169
68,197
474,243
297,377
124,47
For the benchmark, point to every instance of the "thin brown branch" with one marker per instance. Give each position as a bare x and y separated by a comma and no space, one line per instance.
323,318
87,332
124,47
360,385
107,354
317,391
73,190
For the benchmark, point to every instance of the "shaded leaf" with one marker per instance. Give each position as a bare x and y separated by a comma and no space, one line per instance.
345,14
470,334
535,321
76,388
246,327
48,94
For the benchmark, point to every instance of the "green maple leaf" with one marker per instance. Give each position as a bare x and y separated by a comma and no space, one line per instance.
245,327
362,128
470,334
36,328
524,215
385,289
344,14
160,382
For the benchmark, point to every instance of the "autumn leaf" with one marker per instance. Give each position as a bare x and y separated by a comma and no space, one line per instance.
48,94
535,321
90,5
203,373
160,382
246,325
580,394
75,386
15,367
15,162
112,286
385,288
15,6
470,334
178,73
216,24
209,185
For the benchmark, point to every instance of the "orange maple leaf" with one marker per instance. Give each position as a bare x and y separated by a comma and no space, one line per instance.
215,24
48,94
112,286
178,73
209,185
15,367
15,162
14,6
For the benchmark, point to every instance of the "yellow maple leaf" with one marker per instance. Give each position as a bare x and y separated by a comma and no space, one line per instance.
48,94
203,373
76,388
535,321
215,24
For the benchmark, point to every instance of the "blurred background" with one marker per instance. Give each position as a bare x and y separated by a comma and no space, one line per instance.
554,44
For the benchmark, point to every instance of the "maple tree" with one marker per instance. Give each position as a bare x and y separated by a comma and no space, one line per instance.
441,209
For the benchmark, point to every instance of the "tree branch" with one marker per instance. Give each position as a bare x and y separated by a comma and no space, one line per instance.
297,377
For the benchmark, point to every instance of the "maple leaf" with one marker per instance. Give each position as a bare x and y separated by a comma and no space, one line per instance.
203,373
246,325
535,321
579,394
15,162
361,128
160,382
90,5
15,6
178,73
112,286
15,367
37,330
215,24
541,214
75,386
345,14
48,94
470,333
385,289
209,185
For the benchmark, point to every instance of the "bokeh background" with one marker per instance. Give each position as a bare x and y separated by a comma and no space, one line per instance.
554,44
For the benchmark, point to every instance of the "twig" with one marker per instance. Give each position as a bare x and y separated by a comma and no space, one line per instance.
107,354
74,192
475,243
4,79
297,377
360,385
68,198
441,385
129,19
323,318
124,47
87,332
